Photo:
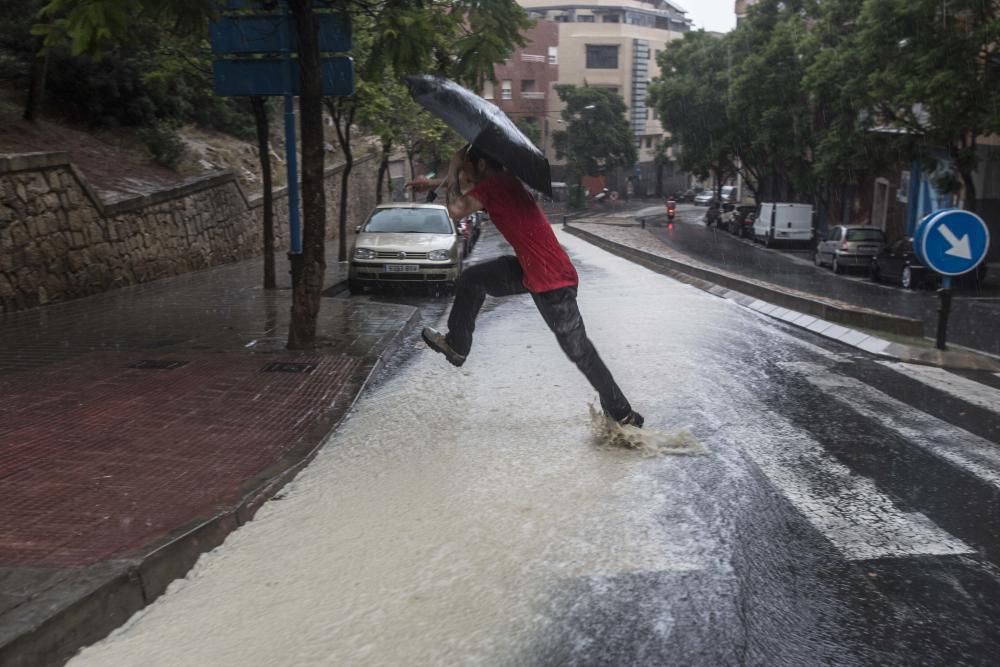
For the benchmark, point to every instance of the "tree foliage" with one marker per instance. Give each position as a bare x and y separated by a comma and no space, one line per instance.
597,135
792,97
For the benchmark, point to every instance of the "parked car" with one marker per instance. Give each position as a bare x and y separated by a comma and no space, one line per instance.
784,222
848,246
728,194
741,223
898,263
406,242
704,198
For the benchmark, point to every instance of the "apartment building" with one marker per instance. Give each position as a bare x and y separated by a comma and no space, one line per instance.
613,44
523,86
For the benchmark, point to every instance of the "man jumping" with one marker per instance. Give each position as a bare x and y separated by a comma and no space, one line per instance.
541,267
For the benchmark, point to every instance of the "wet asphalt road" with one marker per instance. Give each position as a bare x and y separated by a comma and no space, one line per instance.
845,513
975,310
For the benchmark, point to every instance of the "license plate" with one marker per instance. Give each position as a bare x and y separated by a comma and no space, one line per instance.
401,268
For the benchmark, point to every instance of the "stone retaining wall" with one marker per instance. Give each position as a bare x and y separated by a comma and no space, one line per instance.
59,240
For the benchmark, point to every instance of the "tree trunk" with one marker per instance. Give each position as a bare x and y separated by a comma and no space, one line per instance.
383,168
264,148
36,91
971,201
409,160
343,119
309,269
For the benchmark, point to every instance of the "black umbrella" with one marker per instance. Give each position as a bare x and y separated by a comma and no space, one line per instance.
486,127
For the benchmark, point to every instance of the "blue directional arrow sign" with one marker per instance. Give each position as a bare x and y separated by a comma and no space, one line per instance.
952,241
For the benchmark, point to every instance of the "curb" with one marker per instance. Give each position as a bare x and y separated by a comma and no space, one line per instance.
122,587
822,318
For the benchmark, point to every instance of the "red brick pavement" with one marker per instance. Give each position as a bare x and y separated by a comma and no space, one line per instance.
98,459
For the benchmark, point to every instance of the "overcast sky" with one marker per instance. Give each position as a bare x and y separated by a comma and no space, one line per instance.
711,14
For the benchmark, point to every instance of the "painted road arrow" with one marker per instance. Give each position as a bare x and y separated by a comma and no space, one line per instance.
959,247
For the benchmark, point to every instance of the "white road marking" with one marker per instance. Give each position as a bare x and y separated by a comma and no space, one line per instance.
848,509
968,390
966,450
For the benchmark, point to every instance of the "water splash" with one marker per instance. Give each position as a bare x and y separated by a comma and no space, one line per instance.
648,442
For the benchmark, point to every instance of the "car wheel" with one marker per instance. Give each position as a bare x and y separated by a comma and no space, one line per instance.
817,259
874,272
768,240
836,266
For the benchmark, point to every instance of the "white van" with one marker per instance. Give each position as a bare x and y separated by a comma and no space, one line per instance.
788,223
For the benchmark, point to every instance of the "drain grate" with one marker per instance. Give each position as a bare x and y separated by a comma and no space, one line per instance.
159,364
288,367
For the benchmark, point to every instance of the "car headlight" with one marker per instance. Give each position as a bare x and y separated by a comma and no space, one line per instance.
439,254
364,253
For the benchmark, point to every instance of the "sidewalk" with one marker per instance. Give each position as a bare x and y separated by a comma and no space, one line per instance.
138,428
850,323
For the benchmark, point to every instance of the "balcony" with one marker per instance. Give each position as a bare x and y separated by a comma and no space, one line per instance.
528,58
533,95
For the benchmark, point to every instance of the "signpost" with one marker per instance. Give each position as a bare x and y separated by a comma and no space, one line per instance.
951,242
255,44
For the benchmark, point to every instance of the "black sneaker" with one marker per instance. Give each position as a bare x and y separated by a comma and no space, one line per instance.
437,342
633,418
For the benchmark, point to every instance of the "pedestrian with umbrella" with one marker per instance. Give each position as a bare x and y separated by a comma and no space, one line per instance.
487,174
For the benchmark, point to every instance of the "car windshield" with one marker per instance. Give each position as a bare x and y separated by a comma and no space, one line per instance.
409,221
865,235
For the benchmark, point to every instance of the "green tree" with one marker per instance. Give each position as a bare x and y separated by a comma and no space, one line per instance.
597,135
770,112
691,99
931,68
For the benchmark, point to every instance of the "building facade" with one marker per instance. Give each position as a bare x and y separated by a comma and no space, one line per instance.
607,43
524,83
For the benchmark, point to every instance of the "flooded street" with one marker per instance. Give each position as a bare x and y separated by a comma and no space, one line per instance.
843,512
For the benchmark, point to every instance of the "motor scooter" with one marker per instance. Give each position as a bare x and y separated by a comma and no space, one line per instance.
671,210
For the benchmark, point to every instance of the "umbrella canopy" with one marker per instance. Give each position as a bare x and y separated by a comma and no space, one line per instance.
482,124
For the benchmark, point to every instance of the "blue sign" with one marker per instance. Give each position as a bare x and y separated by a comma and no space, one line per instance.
274,33
273,77
952,241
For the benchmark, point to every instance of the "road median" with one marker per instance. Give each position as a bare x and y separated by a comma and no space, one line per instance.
833,319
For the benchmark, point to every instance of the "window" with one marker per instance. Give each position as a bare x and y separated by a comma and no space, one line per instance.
488,90
611,18
505,90
866,235
601,56
834,234
527,85
585,18
553,55
649,142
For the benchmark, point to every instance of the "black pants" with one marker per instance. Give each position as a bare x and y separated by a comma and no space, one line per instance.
503,277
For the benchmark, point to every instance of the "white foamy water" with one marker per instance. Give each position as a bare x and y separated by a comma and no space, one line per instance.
445,514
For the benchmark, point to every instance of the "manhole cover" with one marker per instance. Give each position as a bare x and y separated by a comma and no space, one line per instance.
160,364
289,367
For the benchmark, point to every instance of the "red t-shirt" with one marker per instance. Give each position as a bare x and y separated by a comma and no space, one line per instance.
516,214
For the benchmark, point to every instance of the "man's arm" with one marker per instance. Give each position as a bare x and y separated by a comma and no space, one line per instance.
460,206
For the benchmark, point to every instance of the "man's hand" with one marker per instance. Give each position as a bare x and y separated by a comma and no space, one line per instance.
423,184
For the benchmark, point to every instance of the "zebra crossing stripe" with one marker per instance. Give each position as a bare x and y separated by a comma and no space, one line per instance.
958,386
847,508
973,454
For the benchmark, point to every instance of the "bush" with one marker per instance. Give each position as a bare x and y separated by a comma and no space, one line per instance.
163,144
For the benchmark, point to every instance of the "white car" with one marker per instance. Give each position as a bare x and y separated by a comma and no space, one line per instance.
705,197
406,243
